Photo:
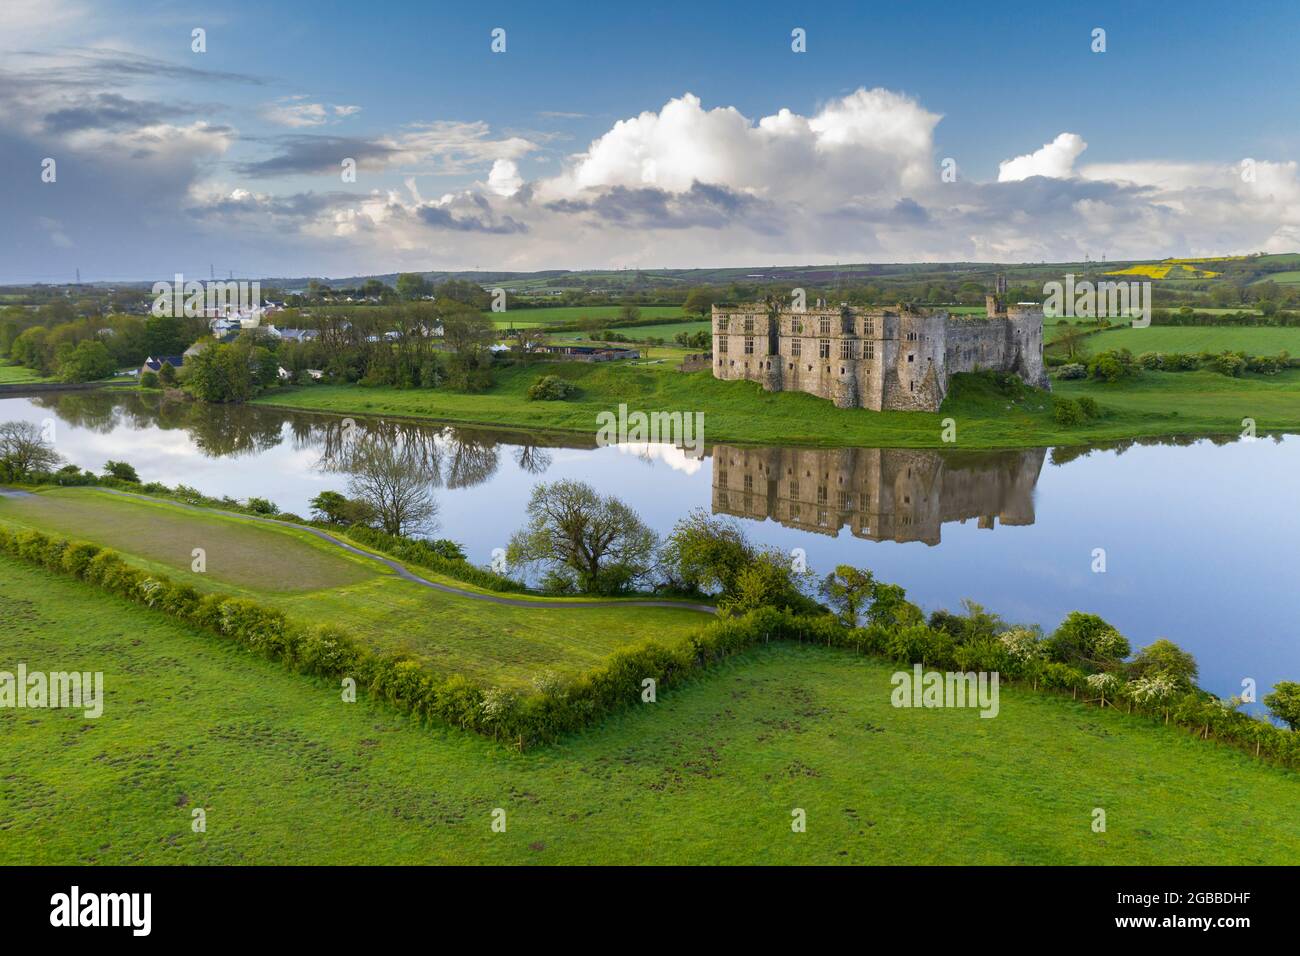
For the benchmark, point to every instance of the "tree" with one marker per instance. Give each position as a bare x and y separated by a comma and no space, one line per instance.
890,607
705,554
167,374
847,590
329,506
699,301
24,452
221,373
121,470
393,487
149,380
1070,341
88,362
467,334
598,538
1165,657
412,285
1284,702
1086,640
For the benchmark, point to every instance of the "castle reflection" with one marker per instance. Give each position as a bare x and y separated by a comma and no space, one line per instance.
882,494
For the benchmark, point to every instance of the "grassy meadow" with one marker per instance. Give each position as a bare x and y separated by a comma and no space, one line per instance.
573,314
1253,340
20,375
1151,405
317,582
287,773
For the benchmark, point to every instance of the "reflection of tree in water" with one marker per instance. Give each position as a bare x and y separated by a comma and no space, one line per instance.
533,459
471,458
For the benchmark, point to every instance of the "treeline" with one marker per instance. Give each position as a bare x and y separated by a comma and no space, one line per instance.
85,349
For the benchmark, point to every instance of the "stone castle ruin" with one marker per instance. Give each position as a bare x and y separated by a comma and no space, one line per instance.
880,494
898,359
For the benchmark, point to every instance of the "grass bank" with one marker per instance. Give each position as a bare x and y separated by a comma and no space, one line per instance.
288,773
1154,404
317,582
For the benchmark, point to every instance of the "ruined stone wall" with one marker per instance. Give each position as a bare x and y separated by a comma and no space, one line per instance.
877,359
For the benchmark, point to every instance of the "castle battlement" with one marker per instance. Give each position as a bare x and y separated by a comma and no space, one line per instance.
875,358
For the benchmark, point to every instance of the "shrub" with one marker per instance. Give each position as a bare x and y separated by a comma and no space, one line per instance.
1113,365
1089,407
1151,361
149,380
1067,413
1229,363
1072,370
551,388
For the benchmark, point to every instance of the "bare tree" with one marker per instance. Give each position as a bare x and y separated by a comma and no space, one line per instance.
399,492
24,451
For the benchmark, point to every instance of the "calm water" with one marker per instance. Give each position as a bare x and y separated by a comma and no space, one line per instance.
1200,538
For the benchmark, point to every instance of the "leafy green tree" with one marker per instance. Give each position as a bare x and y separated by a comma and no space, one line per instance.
89,361
1165,657
167,374
149,380
700,302
121,470
412,285
329,506
597,537
221,374
1284,703
1088,641
705,554
848,590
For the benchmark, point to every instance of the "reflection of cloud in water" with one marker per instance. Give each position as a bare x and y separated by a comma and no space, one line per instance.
671,455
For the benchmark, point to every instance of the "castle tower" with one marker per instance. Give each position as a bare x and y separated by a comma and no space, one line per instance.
995,304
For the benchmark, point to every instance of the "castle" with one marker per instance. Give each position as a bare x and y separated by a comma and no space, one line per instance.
878,358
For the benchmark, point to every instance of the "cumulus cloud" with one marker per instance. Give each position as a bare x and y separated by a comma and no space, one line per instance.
869,142
1054,160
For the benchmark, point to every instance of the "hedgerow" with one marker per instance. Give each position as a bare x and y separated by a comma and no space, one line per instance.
557,708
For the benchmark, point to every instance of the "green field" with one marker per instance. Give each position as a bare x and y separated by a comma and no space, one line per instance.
641,332
569,314
1151,405
287,773
19,374
317,582
1252,339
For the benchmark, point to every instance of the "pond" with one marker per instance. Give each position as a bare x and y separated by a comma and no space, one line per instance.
1199,536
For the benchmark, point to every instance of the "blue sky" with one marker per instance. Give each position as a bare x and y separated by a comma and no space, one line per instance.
169,159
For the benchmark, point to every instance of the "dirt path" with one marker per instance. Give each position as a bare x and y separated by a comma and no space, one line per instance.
402,570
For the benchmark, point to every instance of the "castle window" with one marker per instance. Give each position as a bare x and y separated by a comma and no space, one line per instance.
825,324
868,350
824,346
911,386
821,494
749,325
868,326
911,357
749,345
794,487
796,326
846,349
911,336
796,347
749,483
722,344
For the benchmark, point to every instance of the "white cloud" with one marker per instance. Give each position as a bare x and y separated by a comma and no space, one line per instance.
870,142
296,113
1054,159
504,179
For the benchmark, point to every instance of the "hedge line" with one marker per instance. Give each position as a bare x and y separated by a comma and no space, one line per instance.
556,707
